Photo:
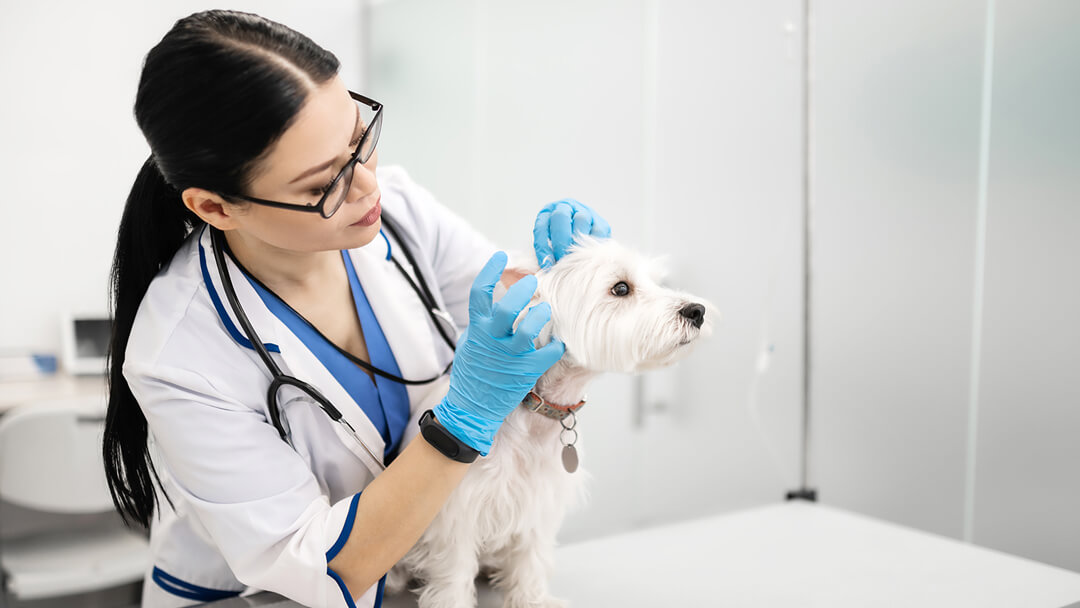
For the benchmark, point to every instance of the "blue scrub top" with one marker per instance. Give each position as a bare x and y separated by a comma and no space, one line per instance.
385,402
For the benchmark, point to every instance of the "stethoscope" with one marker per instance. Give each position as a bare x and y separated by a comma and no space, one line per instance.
280,379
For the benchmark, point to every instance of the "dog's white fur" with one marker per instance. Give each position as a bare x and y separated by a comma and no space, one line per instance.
504,516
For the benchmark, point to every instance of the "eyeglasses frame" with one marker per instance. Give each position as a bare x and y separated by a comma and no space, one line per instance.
319,206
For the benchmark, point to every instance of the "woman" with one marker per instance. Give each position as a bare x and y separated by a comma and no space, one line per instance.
255,238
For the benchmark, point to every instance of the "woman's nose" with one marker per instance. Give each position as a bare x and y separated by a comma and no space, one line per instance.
363,182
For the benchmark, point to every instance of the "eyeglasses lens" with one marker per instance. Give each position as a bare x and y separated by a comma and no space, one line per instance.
340,189
367,146
338,192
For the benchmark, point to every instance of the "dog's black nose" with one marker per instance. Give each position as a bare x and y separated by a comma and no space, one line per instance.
695,313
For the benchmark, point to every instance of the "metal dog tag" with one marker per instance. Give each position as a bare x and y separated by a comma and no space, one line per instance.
569,458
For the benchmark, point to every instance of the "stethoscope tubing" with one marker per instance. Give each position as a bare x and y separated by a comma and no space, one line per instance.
279,379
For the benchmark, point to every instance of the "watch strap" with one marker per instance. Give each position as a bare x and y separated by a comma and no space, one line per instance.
444,441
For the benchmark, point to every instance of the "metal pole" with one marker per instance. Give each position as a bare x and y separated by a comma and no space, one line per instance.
805,492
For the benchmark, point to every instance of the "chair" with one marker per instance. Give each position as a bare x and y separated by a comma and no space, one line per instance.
50,461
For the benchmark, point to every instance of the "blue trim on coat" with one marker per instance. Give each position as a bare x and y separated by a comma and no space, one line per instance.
348,596
388,250
189,591
343,587
235,333
346,530
382,587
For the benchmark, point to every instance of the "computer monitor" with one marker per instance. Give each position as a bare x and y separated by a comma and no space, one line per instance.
85,339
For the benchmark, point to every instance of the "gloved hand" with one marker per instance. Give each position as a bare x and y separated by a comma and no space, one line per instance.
556,225
495,366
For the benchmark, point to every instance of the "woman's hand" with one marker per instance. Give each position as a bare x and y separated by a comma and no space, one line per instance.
495,366
556,225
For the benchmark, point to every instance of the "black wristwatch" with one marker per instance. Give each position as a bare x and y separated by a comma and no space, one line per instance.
444,441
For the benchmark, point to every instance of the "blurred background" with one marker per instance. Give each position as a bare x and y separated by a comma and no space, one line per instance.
882,199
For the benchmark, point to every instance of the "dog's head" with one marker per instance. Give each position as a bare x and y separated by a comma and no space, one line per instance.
610,309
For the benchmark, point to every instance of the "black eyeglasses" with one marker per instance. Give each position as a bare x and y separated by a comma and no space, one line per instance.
336,191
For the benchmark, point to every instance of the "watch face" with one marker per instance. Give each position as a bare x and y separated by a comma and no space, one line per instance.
444,443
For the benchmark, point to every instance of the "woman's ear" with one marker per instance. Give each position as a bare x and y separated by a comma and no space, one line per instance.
209,206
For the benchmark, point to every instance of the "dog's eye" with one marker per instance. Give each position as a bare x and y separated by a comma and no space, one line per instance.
620,289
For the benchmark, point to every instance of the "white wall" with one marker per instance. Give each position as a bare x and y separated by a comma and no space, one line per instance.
70,147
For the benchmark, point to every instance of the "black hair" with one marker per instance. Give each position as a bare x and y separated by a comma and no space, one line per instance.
214,95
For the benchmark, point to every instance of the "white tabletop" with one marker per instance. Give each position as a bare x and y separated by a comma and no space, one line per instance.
14,393
789,555
806,555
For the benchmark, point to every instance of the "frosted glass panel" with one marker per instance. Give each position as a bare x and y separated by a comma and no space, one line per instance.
894,174
1027,490
945,350
421,66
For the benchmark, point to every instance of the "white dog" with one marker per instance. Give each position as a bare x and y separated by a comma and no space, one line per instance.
609,309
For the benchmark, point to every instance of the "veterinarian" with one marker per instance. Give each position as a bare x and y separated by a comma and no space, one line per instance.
283,312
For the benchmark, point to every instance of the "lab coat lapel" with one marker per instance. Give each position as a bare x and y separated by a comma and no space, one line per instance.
419,351
302,363
296,360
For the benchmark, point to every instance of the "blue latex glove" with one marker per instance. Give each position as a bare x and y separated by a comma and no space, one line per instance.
556,225
495,366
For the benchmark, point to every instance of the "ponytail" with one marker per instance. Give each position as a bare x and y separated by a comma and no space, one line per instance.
214,94
154,224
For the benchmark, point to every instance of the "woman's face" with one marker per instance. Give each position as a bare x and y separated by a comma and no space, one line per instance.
307,156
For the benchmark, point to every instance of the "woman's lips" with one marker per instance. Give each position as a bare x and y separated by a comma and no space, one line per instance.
372,216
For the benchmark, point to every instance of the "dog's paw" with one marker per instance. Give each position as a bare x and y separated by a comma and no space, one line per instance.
455,596
397,579
518,601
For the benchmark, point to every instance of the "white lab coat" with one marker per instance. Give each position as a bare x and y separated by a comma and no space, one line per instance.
250,512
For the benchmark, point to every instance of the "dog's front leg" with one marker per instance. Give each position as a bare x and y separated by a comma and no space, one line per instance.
450,578
523,573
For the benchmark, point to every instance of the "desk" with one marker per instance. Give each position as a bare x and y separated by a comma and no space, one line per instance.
789,555
60,386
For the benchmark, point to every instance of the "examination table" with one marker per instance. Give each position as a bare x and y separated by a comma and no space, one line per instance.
791,555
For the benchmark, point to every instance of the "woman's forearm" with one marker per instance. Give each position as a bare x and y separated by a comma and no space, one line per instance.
394,510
